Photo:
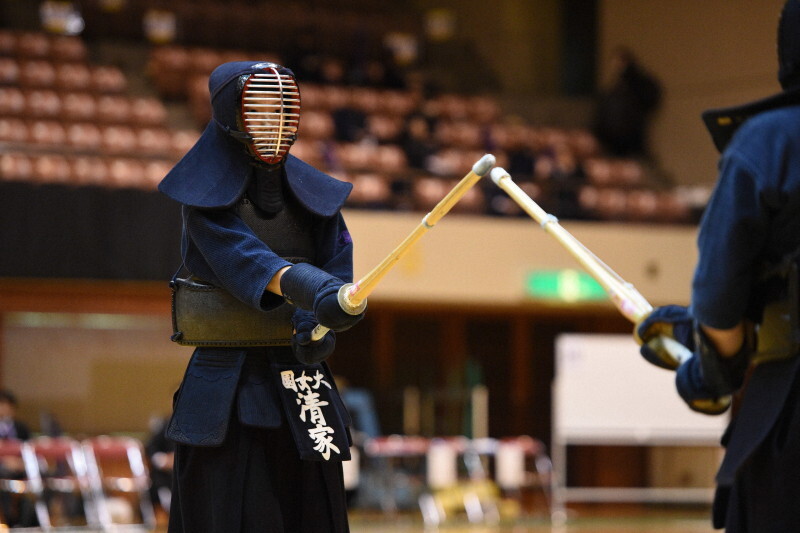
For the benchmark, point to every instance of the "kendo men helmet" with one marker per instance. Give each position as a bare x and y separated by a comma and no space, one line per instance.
257,104
255,114
789,45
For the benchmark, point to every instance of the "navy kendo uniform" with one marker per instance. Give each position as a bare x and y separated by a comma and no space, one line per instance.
261,430
749,243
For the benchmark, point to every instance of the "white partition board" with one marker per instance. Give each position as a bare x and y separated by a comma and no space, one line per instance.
606,393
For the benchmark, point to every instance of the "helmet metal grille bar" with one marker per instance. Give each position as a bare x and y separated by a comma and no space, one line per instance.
271,113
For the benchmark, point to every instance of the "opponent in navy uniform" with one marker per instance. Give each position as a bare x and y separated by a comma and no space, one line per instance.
259,426
743,321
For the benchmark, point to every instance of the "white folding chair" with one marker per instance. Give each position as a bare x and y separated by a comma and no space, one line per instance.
20,479
120,481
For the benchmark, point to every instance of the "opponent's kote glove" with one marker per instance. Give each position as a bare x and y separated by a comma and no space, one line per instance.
313,289
707,380
305,350
691,385
671,321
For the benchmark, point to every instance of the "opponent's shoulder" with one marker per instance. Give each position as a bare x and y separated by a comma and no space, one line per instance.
770,125
770,134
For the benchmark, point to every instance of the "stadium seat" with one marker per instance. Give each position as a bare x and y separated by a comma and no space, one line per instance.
78,106
108,79
370,190
114,109
33,44
126,173
21,482
89,171
148,111
16,166
13,130
384,127
48,133
9,71
153,141
8,42
43,103
68,48
37,73
118,139
84,136
73,76
51,168
66,481
120,481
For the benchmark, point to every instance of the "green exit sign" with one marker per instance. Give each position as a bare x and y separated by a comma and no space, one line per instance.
567,285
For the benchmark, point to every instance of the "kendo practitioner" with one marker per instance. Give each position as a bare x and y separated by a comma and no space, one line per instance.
743,325
259,427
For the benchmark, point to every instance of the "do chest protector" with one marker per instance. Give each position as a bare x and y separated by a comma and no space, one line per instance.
207,315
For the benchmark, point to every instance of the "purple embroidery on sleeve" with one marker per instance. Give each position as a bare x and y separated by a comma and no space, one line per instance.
345,238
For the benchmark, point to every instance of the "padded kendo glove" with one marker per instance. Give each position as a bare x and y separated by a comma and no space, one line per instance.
692,388
707,379
672,321
313,289
305,350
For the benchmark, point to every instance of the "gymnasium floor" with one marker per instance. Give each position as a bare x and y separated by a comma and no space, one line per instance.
596,520
633,519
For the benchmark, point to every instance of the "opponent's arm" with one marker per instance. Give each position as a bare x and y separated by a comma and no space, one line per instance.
717,366
728,342
709,378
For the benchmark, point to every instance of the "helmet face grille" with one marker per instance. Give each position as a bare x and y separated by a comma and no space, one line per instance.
271,113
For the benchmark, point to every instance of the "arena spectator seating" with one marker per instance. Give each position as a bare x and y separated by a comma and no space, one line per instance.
66,120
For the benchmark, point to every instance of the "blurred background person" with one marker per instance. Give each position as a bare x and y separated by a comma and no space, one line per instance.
625,109
17,512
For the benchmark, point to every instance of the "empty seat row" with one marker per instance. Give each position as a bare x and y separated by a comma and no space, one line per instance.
67,76
172,69
372,189
477,110
376,190
41,45
365,99
635,205
83,170
81,105
393,104
387,158
384,158
453,161
90,137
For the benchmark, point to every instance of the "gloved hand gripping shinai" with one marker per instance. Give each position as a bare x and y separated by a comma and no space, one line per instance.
313,289
305,350
671,321
707,379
